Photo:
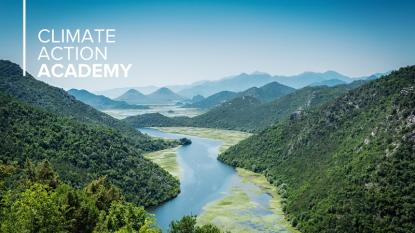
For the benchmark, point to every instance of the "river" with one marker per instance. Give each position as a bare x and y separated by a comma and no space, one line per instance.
204,181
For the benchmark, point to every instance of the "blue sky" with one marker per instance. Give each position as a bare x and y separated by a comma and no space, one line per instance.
177,42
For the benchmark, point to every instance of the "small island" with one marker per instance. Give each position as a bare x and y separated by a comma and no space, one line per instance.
185,141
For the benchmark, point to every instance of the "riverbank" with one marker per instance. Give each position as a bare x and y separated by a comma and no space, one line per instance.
239,212
167,160
228,137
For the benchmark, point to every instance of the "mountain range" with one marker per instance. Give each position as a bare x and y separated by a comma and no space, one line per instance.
243,81
266,93
160,96
346,166
102,102
248,113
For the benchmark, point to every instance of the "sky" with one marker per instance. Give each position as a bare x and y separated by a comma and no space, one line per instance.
180,42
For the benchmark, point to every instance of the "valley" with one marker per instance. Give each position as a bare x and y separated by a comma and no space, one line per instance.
237,201
264,159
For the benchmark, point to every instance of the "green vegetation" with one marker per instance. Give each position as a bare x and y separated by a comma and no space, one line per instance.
248,113
166,159
229,137
55,100
81,152
346,166
33,199
213,100
238,212
188,225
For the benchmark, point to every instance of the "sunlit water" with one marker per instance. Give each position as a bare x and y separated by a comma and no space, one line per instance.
203,180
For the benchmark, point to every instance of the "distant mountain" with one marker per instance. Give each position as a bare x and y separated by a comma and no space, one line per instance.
329,83
160,96
132,96
247,113
235,84
101,102
197,98
266,93
244,81
164,95
116,92
250,114
347,166
307,78
213,100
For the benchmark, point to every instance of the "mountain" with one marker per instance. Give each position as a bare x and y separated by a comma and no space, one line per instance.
132,96
160,96
197,98
249,113
116,92
49,123
213,100
55,100
100,101
268,92
346,166
307,78
234,84
329,83
164,95
81,152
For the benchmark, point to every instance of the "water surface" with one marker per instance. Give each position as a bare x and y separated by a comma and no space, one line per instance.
203,178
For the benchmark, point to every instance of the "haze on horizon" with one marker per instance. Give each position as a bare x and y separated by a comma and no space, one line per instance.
182,42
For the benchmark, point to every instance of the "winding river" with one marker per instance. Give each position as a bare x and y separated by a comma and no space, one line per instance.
205,181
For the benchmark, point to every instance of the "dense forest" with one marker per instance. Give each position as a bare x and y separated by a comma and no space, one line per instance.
34,199
248,113
65,167
347,166
39,94
81,152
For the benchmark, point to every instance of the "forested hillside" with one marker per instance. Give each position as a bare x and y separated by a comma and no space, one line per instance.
347,166
248,113
34,199
56,100
81,152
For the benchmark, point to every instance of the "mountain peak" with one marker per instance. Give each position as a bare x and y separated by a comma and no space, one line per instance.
164,90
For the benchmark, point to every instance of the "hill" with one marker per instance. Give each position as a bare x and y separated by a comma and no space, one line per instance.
248,113
101,102
160,96
266,93
244,81
164,95
329,83
236,83
213,100
132,96
55,100
346,166
307,78
156,120
81,152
